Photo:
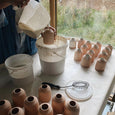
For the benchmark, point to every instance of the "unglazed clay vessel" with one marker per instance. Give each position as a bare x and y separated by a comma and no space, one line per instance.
89,45
5,106
110,46
58,103
72,43
48,35
31,105
100,65
104,55
18,97
78,55
99,45
84,49
86,61
108,50
81,42
45,109
44,93
95,48
92,54
16,111
71,108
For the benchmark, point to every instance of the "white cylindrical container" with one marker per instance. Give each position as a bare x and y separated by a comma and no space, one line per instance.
52,57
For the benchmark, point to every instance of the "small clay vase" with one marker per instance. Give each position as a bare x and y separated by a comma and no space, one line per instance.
16,111
86,61
89,45
78,55
110,46
18,97
92,54
104,55
72,43
99,45
71,108
5,107
58,103
95,48
44,93
84,49
100,65
48,35
45,109
31,105
108,50
81,42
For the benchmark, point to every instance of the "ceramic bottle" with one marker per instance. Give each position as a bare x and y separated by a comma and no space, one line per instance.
31,105
100,65
72,43
48,35
89,45
81,42
99,45
16,111
78,55
110,46
71,108
86,61
104,55
92,54
44,93
18,97
58,103
95,48
5,107
45,109
108,50
84,49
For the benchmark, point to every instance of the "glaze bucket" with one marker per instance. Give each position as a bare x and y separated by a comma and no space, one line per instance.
52,57
20,68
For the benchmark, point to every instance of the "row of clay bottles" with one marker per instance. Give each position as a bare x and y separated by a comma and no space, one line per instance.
103,58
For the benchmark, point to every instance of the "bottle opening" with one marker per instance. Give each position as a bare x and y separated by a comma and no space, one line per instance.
30,98
58,95
44,106
44,86
2,102
72,103
15,111
17,90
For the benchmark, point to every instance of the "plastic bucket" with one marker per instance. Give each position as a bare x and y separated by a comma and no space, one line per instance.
52,57
20,68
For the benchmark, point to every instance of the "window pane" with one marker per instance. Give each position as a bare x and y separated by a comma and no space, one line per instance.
90,19
45,3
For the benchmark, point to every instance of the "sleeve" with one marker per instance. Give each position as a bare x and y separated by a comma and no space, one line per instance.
3,19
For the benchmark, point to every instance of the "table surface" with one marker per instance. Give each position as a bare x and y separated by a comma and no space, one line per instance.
102,83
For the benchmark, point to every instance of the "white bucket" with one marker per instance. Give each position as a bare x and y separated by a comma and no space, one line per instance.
20,68
52,57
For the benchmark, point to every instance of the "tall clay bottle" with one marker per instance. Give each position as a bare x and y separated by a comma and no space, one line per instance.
95,48
44,93
18,97
78,55
84,49
99,45
71,108
89,45
5,106
58,103
45,109
72,43
81,42
92,54
31,105
16,111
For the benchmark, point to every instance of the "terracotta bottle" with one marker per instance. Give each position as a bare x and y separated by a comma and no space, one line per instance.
89,45
58,103
5,106
71,108
78,55
72,43
95,48
44,93
92,54
18,97
108,50
84,49
100,65
104,55
86,61
99,45
45,109
16,111
31,105
81,42
48,35
110,46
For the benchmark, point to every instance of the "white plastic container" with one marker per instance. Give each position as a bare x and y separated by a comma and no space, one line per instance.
52,57
20,68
